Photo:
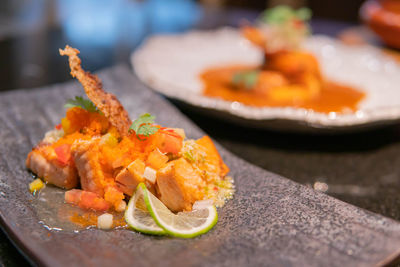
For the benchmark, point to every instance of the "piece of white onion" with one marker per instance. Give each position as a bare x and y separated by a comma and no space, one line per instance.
105,221
150,174
202,204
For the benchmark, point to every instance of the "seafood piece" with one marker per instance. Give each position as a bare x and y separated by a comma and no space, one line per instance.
268,80
212,159
157,159
179,185
293,63
46,167
106,102
128,178
86,158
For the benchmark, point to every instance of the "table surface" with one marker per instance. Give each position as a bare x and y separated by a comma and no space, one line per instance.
362,168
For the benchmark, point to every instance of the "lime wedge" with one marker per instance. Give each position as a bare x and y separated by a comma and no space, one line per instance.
182,224
138,217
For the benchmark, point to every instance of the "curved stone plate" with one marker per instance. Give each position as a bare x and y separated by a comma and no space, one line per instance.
271,220
171,64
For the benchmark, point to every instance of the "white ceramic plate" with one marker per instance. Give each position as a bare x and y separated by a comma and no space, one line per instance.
171,64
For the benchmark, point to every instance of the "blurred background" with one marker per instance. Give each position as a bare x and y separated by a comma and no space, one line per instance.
106,31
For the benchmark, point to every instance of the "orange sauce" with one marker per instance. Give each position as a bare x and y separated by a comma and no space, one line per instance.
89,218
333,97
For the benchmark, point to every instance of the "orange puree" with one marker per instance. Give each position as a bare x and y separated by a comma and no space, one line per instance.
332,97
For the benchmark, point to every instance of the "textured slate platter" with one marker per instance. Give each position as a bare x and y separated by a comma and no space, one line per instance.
271,220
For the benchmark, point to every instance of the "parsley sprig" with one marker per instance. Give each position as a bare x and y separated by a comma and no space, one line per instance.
246,79
82,103
143,126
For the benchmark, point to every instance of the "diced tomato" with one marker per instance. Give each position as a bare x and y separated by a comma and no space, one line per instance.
86,200
58,127
170,142
73,196
63,153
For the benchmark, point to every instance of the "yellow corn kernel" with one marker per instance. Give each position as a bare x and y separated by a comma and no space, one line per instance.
66,125
36,185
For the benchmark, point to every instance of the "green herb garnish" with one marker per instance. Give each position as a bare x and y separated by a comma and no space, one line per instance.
143,125
189,156
283,14
82,103
247,79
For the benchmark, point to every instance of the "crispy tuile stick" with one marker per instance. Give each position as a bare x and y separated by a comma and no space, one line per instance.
106,102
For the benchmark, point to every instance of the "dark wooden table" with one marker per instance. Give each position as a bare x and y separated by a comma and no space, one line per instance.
362,168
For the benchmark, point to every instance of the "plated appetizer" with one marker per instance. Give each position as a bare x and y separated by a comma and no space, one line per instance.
289,75
103,159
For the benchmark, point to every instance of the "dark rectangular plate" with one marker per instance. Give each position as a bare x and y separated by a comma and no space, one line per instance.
270,221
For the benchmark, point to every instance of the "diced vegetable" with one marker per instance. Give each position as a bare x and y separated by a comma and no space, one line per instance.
201,204
156,159
66,125
36,185
86,200
53,136
109,139
63,153
105,221
150,174
180,132
170,142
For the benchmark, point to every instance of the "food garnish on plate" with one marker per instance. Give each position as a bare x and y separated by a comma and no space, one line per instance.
103,159
289,75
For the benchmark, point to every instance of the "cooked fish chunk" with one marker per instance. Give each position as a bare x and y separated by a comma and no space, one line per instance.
128,178
65,177
86,158
212,159
179,185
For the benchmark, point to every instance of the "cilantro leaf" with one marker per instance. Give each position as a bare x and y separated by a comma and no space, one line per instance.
82,103
282,14
248,79
144,125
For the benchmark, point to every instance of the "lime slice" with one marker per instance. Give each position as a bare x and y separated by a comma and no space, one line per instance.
182,224
138,217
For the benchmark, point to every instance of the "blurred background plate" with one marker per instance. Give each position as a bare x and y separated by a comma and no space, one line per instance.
171,64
